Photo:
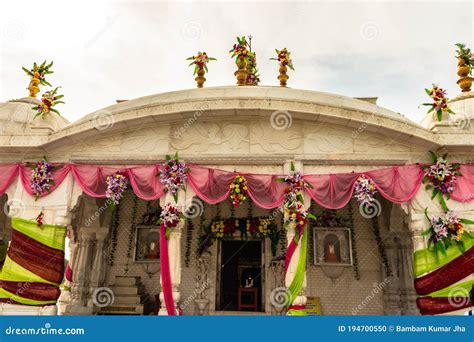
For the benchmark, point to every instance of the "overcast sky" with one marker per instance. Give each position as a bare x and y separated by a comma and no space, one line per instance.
104,51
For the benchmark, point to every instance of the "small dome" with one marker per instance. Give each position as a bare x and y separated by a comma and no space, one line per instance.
17,117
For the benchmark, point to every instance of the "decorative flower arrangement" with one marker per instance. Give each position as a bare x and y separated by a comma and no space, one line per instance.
200,61
170,217
364,191
329,218
284,58
41,177
464,53
294,212
445,229
440,102
116,185
441,177
238,191
39,72
174,175
241,52
48,100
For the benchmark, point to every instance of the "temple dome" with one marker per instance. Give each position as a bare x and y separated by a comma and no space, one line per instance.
17,117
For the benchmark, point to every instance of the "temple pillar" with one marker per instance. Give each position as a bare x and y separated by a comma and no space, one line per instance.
57,209
300,300
174,248
88,257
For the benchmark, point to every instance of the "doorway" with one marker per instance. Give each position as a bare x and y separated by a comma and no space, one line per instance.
241,280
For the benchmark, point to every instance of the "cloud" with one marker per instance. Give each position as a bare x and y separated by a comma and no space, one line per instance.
120,50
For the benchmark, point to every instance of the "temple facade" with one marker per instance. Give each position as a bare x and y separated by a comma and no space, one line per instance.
357,263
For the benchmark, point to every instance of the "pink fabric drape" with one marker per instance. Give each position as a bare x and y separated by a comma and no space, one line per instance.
8,173
212,186
333,191
165,273
397,184
464,191
58,176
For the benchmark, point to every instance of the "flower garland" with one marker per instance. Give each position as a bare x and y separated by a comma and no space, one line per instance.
238,191
116,185
441,177
48,101
364,191
295,214
440,102
200,61
39,72
284,58
170,217
466,55
42,178
445,229
174,175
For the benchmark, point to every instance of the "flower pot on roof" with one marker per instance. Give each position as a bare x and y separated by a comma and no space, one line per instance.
37,74
465,63
200,62
243,56
284,58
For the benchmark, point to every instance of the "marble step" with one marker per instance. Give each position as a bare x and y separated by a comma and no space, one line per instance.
126,281
127,299
125,290
122,309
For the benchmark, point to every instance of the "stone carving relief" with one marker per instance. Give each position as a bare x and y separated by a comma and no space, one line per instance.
267,139
143,140
211,137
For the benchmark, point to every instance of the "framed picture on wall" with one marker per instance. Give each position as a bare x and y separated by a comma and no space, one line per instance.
147,244
332,246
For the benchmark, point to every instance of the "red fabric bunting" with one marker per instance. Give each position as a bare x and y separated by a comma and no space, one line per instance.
439,305
454,271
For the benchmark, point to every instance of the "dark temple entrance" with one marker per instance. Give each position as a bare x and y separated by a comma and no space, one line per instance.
241,276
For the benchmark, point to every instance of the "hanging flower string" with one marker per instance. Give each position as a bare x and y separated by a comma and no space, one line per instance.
116,185
238,191
170,217
48,101
42,178
364,191
441,177
446,229
440,102
174,175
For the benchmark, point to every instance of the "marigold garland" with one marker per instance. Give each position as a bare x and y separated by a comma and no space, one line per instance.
238,191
